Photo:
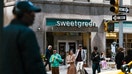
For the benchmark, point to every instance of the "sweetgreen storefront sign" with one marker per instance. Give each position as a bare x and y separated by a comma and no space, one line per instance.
70,22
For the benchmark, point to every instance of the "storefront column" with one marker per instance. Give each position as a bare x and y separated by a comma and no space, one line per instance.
98,40
88,49
40,37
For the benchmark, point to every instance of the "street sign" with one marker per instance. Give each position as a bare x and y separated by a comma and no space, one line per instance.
124,9
118,17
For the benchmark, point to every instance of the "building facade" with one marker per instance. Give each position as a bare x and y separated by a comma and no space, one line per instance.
67,23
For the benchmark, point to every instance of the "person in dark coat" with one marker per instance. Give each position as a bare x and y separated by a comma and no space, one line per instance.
119,58
49,52
95,57
21,52
128,57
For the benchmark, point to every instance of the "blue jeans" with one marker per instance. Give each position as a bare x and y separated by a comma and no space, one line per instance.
95,66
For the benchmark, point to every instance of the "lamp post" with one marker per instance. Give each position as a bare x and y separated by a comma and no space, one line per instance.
116,4
121,28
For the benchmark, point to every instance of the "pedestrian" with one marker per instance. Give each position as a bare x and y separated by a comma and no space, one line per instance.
128,57
21,52
102,56
70,59
49,52
80,58
119,58
103,61
55,61
95,57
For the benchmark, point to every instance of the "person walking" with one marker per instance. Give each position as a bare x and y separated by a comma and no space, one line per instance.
119,58
95,57
49,52
80,58
80,54
21,52
55,61
70,59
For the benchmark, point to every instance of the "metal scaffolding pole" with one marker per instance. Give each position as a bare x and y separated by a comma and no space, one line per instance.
121,28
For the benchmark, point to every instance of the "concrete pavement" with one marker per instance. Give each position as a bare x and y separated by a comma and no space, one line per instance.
63,70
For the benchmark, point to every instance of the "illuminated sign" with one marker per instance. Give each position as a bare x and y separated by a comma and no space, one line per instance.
70,22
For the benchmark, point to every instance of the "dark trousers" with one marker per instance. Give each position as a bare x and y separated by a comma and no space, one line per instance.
95,67
119,66
47,62
55,70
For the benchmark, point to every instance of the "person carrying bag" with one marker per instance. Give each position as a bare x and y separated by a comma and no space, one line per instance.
70,59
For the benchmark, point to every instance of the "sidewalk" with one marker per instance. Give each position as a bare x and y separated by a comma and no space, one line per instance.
63,70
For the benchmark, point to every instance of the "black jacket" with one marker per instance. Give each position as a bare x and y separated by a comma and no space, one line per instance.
128,57
21,53
119,58
48,53
95,57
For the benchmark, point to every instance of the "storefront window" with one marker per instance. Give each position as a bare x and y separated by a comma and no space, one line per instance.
111,47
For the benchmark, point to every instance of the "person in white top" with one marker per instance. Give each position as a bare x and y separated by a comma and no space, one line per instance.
80,54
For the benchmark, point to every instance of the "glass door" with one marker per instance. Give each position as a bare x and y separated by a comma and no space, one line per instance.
64,46
72,46
62,52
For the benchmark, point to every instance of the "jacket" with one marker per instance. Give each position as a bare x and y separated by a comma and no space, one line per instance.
119,58
95,57
83,54
55,60
48,54
21,54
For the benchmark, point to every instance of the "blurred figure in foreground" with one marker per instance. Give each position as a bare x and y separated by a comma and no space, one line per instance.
22,54
55,61
70,59
119,58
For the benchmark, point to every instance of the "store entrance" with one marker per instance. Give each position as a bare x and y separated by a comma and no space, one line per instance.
64,47
111,48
